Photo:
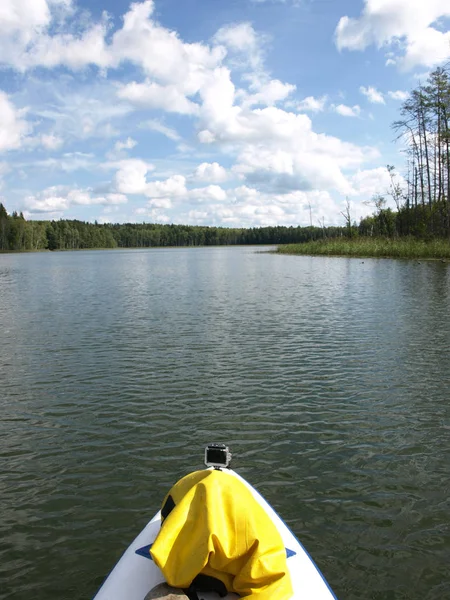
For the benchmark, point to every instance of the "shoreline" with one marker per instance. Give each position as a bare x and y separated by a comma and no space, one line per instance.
57,250
406,248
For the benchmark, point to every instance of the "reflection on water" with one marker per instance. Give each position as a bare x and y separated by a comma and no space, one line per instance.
327,376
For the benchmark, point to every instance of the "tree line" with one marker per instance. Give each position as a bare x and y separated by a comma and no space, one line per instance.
18,234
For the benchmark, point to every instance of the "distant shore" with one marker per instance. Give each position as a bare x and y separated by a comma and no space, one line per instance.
373,247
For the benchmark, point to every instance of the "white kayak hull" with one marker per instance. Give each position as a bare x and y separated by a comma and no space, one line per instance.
136,574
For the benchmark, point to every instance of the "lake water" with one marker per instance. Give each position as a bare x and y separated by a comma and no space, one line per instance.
328,377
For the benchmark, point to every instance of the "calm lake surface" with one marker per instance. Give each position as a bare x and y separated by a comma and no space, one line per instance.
328,377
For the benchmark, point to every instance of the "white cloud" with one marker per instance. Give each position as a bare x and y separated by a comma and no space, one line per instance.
366,183
153,214
312,104
209,193
68,162
347,111
372,94
270,93
74,52
240,37
249,207
398,95
430,47
46,204
131,178
293,2
153,95
13,127
164,203
242,40
173,186
280,163
77,112
128,144
26,43
179,68
281,171
246,50
404,24
115,199
277,150
57,199
51,141
210,172
160,52
155,125
24,17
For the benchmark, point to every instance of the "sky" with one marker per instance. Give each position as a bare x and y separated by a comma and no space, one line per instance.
236,113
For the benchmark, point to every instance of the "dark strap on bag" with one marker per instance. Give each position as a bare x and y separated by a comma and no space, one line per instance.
168,507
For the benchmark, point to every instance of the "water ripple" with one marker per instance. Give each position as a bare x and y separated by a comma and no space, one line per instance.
328,378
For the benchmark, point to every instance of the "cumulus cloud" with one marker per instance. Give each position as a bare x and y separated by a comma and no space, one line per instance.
25,17
372,94
270,93
406,25
281,165
46,203
172,187
312,104
57,199
13,127
209,193
26,43
247,207
398,95
152,214
112,199
159,51
242,39
179,68
131,178
347,111
164,203
210,172
153,95
283,171
278,150
368,182
74,52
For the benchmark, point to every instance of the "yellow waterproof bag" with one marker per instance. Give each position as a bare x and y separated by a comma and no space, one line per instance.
213,526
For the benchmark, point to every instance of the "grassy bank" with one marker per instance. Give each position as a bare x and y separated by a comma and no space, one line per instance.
374,247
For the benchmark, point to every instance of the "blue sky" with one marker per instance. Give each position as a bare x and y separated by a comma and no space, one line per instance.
212,112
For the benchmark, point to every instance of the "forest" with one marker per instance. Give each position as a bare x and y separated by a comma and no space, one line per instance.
421,199
18,234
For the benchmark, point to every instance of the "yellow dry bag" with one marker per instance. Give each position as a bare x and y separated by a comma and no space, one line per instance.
213,526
